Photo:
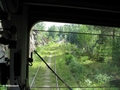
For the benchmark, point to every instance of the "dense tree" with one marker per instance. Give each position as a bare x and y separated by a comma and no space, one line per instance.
39,26
52,28
72,35
52,34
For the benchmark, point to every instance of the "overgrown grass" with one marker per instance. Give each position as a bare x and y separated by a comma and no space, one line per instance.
76,70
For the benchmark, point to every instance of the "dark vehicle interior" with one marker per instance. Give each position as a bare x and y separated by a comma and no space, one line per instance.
18,16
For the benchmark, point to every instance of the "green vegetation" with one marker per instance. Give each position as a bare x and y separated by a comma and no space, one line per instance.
86,59
3,87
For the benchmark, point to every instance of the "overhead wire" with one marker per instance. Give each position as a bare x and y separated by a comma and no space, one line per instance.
74,32
95,87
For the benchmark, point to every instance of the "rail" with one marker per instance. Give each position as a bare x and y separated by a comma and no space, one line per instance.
38,69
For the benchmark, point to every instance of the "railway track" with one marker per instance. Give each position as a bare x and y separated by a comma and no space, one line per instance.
46,79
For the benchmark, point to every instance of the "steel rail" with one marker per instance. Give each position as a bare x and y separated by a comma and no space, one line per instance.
57,85
33,80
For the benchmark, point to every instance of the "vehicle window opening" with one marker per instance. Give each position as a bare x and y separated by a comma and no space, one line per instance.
84,56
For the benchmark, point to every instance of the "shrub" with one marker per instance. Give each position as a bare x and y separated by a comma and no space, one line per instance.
69,58
103,78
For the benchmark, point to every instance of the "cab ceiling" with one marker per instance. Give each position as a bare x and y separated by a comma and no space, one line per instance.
73,11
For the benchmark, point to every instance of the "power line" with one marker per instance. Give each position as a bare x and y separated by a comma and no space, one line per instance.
74,32
82,87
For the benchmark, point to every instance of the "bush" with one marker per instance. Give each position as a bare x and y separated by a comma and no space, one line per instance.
84,58
103,78
77,70
69,58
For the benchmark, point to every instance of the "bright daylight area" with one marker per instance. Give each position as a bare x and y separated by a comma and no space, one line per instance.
74,57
